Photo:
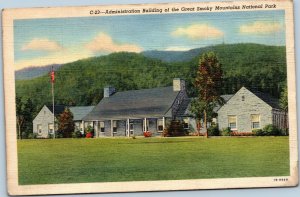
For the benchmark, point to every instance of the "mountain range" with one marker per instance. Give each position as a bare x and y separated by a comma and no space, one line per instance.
81,82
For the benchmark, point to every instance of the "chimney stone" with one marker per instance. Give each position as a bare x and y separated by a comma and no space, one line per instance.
178,85
108,91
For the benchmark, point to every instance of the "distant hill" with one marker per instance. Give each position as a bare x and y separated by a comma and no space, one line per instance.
174,56
81,82
32,72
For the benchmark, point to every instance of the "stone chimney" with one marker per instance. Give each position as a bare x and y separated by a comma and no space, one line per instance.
108,91
178,85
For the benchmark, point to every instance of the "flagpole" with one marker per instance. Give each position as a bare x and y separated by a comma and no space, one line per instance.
52,83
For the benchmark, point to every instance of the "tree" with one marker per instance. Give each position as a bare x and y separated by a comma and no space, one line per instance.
20,115
283,102
28,113
197,108
208,83
66,124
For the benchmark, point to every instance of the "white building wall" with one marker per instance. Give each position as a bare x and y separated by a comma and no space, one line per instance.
44,118
242,105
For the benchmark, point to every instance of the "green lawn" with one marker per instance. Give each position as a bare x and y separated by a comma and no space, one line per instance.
121,159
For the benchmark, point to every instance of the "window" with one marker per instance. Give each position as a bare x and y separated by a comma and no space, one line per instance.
102,127
50,128
39,128
186,123
160,126
255,121
86,124
243,98
78,125
114,126
232,122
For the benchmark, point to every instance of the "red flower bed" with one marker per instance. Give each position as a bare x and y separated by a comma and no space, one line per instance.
89,135
235,133
147,134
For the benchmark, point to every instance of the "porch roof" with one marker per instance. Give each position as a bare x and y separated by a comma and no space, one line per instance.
154,102
80,111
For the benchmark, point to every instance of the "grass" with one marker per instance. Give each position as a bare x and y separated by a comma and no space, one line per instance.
121,159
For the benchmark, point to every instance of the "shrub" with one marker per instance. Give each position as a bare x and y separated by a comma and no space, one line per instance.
32,135
268,130
58,134
76,134
89,132
213,130
147,134
285,131
271,130
257,132
176,128
226,131
24,135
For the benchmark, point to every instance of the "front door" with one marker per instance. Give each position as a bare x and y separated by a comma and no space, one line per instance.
131,130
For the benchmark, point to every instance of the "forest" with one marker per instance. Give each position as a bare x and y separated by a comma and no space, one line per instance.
81,82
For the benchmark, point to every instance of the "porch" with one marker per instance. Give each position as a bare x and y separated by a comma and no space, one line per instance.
128,127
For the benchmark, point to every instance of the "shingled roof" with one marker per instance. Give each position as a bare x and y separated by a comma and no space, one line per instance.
273,102
226,98
155,102
58,109
80,111
184,107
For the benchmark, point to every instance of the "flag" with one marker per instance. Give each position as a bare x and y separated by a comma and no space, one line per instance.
52,75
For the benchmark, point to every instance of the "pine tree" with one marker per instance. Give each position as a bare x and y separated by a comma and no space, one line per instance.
28,112
66,124
208,83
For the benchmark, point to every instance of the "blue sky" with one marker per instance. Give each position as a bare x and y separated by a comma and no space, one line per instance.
41,42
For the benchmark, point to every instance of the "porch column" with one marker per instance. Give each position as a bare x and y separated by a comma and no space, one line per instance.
82,127
127,128
163,119
111,128
145,124
96,129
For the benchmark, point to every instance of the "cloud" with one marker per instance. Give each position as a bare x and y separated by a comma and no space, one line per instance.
259,27
177,48
59,57
42,44
104,43
198,32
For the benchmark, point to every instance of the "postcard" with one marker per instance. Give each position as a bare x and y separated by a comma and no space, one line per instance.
150,97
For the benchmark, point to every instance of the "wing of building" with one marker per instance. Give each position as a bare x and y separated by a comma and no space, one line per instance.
250,109
43,122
